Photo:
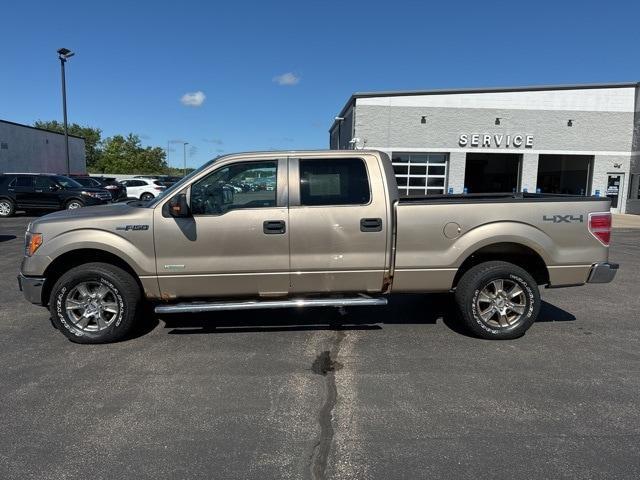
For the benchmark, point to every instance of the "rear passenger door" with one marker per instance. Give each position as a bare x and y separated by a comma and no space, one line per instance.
24,191
338,224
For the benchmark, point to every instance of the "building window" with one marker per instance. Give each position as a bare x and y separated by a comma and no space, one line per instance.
420,174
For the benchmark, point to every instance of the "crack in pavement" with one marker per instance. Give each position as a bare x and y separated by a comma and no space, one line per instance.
326,364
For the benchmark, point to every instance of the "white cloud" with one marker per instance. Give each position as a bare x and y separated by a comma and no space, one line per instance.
193,99
287,79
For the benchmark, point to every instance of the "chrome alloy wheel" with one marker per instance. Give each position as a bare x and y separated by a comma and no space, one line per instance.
501,303
74,205
92,306
5,208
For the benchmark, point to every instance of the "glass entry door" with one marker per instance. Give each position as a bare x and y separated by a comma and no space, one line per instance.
615,185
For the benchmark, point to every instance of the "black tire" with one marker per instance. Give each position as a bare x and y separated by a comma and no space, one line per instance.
70,203
471,298
7,208
145,197
124,293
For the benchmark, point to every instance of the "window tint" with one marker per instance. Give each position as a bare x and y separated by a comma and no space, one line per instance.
88,182
66,182
334,182
241,185
24,182
133,183
43,183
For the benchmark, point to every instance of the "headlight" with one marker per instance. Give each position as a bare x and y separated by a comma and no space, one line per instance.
32,242
90,194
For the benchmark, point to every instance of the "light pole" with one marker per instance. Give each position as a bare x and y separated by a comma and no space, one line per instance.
64,54
184,158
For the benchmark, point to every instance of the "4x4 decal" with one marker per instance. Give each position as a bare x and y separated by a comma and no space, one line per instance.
563,218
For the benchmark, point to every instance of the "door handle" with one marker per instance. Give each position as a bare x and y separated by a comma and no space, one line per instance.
371,225
274,227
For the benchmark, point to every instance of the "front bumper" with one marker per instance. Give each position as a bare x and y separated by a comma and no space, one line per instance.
31,288
603,272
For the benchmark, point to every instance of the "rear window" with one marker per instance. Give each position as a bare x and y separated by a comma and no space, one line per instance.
341,181
24,182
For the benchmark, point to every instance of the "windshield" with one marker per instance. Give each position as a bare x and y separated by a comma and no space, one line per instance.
178,185
87,182
67,182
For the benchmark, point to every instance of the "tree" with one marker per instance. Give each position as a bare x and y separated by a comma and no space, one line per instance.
92,138
127,155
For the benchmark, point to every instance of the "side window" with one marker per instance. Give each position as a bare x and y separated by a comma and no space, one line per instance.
240,185
24,182
341,181
43,183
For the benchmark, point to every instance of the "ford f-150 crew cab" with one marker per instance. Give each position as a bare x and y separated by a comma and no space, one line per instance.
305,229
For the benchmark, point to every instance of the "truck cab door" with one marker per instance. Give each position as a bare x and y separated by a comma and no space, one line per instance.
339,224
235,241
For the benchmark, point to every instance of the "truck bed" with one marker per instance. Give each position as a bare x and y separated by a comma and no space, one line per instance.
436,234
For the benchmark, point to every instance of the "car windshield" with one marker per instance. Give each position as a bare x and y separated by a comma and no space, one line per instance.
87,182
177,186
67,182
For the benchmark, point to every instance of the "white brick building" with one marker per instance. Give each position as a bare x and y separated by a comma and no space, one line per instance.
573,139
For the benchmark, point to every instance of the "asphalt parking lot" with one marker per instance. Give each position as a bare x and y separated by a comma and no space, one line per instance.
394,392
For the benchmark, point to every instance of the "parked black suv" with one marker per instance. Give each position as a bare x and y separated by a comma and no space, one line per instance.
31,191
117,191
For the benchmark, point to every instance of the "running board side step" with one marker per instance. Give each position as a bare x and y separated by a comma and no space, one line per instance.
193,307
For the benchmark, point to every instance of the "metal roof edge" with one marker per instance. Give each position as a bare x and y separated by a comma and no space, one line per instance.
39,129
450,91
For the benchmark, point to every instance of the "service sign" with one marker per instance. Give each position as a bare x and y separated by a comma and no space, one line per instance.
498,140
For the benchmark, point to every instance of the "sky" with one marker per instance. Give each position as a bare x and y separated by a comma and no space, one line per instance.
262,75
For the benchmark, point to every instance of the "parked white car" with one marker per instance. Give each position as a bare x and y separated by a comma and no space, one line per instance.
143,188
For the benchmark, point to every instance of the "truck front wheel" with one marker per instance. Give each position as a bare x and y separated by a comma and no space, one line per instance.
95,303
497,300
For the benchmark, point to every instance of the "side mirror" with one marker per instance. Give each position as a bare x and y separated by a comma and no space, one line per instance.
54,188
178,206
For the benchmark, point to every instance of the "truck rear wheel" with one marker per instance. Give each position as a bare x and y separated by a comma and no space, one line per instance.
95,303
497,300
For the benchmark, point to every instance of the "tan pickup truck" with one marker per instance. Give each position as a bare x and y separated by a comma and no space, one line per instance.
310,229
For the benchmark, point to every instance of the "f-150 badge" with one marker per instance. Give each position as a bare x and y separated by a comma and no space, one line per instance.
126,228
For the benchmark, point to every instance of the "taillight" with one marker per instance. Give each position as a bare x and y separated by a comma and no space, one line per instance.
160,188
600,226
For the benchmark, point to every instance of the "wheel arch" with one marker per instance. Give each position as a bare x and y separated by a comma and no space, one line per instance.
517,253
66,201
75,258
